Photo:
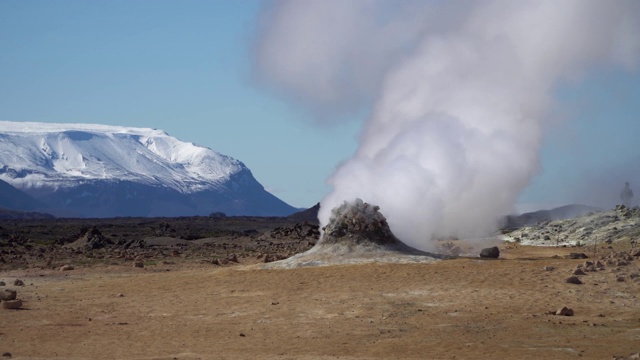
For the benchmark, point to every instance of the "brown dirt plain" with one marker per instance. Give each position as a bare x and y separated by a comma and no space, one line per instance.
464,308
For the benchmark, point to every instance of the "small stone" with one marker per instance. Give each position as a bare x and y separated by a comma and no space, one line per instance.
620,278
138,264
576,256
12,304
6,354
492,252
8,294
565,311
573,280
18,282
120,295
66,267
2,283
548,268
579,272
242,334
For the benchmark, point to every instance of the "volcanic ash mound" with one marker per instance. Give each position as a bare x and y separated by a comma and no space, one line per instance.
357,233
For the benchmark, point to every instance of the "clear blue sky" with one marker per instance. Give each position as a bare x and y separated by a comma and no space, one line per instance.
185,67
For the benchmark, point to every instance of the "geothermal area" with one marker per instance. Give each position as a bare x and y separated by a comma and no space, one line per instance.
410,255
278,288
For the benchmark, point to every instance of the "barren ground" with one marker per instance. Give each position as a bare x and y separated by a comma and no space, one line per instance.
464,308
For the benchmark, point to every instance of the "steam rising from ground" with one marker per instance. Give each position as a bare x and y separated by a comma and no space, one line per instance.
461,94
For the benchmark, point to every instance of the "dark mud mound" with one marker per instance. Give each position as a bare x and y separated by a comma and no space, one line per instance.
357,233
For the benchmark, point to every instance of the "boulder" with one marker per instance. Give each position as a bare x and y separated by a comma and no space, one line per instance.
565,311
492,252
573,280
8,294
12,304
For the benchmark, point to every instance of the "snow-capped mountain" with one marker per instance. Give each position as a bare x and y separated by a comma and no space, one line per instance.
100,170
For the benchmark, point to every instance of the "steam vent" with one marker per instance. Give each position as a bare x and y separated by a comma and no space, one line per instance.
356,233
357,223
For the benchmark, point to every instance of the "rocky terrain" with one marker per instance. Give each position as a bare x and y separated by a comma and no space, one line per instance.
594,229
51,243
202,288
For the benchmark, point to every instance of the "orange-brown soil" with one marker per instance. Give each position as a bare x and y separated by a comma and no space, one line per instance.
464,308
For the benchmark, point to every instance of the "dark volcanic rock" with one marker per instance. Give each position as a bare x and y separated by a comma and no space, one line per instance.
565,311
12,304
8,294
492,252
357,223
577,256
573,280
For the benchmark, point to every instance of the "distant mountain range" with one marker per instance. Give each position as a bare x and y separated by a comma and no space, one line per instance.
559,213
82,170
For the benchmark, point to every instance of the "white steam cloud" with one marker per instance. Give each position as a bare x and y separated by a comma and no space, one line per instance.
461,92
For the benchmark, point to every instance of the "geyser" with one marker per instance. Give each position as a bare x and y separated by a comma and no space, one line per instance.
460,94
356,233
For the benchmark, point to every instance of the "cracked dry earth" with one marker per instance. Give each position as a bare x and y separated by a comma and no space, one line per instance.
463,308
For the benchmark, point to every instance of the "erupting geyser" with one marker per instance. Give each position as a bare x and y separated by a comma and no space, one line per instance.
356,233
458,95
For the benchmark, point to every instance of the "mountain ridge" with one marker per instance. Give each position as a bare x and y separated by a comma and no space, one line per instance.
102,170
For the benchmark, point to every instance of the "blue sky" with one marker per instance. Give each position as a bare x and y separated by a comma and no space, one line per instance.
185,67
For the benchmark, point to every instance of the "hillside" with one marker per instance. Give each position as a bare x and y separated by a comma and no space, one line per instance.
105,171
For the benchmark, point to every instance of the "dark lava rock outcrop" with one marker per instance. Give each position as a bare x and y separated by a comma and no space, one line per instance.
356,233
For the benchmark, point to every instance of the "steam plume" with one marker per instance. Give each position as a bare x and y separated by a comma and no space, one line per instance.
461,94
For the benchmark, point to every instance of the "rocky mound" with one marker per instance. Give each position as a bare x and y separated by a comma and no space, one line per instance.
356,233
619,224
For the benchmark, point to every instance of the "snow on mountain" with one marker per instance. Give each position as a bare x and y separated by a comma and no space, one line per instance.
59,155
52,162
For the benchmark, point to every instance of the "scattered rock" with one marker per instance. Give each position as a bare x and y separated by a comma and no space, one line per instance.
18,282
12,304
565,311
492,252
66,267
579,272
138,264
2,283
573,280
576,256
8,294
548,268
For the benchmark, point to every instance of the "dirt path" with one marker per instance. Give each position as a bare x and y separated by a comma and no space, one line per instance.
463,308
